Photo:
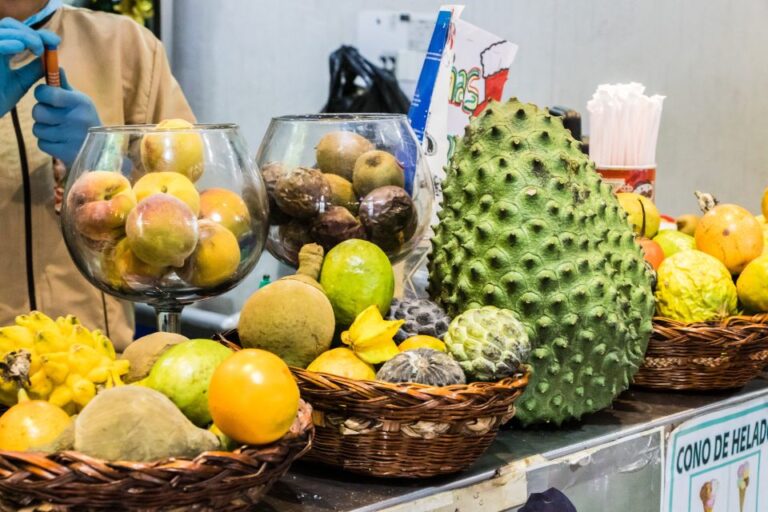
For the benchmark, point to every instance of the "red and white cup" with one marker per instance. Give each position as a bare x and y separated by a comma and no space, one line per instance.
640,179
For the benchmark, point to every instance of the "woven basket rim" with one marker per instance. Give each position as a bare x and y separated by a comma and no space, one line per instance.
455,392
731,321
302,427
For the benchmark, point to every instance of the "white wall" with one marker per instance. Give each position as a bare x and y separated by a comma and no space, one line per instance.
245,61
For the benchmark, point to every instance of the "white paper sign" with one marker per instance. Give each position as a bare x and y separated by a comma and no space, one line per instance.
718,462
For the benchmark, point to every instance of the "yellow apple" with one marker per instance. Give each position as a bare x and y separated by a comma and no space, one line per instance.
99,202
162,231
226,208
123,270
180,152
216,256
171,183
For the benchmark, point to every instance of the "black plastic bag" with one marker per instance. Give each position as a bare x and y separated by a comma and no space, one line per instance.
359,86
550,500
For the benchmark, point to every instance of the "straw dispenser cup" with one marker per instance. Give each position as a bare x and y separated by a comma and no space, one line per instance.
624,128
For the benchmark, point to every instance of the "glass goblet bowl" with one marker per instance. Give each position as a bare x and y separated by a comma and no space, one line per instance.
165,214
334,177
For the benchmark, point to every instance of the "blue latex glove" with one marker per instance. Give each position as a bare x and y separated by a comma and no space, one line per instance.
62,118
15,37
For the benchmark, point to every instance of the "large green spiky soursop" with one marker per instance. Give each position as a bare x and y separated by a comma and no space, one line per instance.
528,225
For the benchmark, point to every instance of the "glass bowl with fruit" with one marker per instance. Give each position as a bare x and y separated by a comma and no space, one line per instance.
333,177
165,214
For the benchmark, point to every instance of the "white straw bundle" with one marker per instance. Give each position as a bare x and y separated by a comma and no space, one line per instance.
623,125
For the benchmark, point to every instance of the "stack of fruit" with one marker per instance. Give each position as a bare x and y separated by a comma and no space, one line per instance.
712,266
180,397
353,191
157,230
352,290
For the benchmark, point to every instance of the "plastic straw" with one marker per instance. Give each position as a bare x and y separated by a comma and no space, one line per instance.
624,125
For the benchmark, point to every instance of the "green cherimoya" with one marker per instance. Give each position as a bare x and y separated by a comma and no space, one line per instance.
528,225
489,343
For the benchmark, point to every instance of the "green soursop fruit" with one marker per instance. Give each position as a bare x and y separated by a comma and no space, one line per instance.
488,343
528,225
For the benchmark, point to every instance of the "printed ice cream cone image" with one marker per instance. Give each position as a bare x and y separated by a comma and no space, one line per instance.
743,482
707,495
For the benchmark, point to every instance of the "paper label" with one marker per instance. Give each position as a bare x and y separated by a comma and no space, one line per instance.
456,84
717,462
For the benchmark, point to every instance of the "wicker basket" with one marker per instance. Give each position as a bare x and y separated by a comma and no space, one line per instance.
704,356
411,431
212,481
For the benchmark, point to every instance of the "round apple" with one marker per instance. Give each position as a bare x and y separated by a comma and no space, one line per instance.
180,152
100,202
172,183
162,231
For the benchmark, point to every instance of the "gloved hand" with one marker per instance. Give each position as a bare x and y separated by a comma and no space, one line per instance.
62,118
15,37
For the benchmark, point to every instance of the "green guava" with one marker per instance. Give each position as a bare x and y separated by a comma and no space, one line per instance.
183,373
695,287
673,241
357,274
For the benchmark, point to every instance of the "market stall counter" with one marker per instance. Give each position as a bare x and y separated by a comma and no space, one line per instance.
614,458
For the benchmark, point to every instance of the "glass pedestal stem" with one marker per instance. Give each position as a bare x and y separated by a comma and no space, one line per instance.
169,319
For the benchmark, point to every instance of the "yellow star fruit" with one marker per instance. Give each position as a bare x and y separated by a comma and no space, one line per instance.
371,337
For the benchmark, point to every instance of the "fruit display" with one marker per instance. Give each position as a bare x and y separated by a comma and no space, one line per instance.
489,343
356,274
291,317
165,214
422,316
59,360
422,366
527,225
693,286
176,390
714,265
333,178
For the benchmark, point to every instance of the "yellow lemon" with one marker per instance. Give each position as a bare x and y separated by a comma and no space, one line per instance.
344,363
422,341
752,285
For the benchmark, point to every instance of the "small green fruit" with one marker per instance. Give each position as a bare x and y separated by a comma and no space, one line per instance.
672,242
183,373
356,274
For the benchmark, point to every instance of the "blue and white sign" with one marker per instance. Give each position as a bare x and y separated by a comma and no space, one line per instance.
718,462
